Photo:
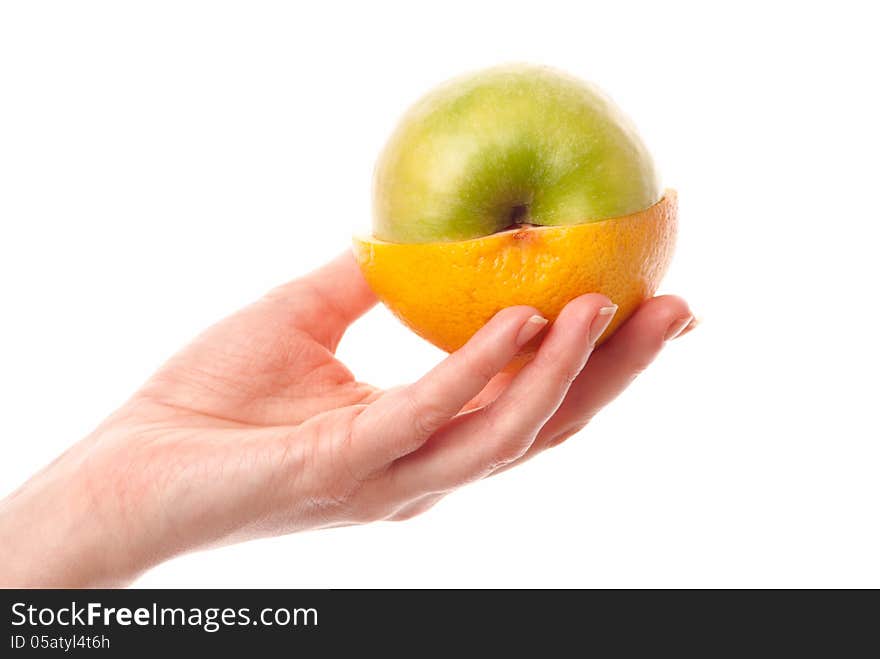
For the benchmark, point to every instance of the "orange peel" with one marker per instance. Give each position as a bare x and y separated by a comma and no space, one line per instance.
446,291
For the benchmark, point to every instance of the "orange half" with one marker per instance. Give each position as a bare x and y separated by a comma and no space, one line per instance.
446,291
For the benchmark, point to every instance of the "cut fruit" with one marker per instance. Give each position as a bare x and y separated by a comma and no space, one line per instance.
446,291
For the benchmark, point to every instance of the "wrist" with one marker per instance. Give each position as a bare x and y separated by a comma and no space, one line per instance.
55,532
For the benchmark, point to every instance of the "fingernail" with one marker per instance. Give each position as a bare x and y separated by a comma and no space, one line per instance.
530,330
601,322
680,327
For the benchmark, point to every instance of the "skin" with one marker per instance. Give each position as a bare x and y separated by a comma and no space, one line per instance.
256,429
510,145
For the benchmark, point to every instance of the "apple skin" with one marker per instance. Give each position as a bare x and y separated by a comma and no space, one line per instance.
517,144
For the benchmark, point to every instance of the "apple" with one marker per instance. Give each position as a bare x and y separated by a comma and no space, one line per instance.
509,146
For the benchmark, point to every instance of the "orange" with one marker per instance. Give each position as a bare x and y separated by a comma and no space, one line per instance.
446,291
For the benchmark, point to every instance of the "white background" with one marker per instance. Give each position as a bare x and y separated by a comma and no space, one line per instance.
164,163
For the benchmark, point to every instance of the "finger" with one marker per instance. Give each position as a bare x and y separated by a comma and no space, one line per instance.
476,443
617,363
402,420
329,299
492,390
416,507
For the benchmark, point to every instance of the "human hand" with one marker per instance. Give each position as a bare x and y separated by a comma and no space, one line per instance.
256,429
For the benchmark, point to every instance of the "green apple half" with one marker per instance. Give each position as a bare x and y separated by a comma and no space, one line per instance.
507,146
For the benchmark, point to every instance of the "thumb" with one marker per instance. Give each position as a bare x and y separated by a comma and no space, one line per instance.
330,298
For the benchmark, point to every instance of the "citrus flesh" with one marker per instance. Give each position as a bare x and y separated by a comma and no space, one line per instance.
446,291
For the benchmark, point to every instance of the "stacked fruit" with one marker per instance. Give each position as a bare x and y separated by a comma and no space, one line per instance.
516,185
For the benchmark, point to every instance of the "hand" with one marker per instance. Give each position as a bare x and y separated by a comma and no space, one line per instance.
256,429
